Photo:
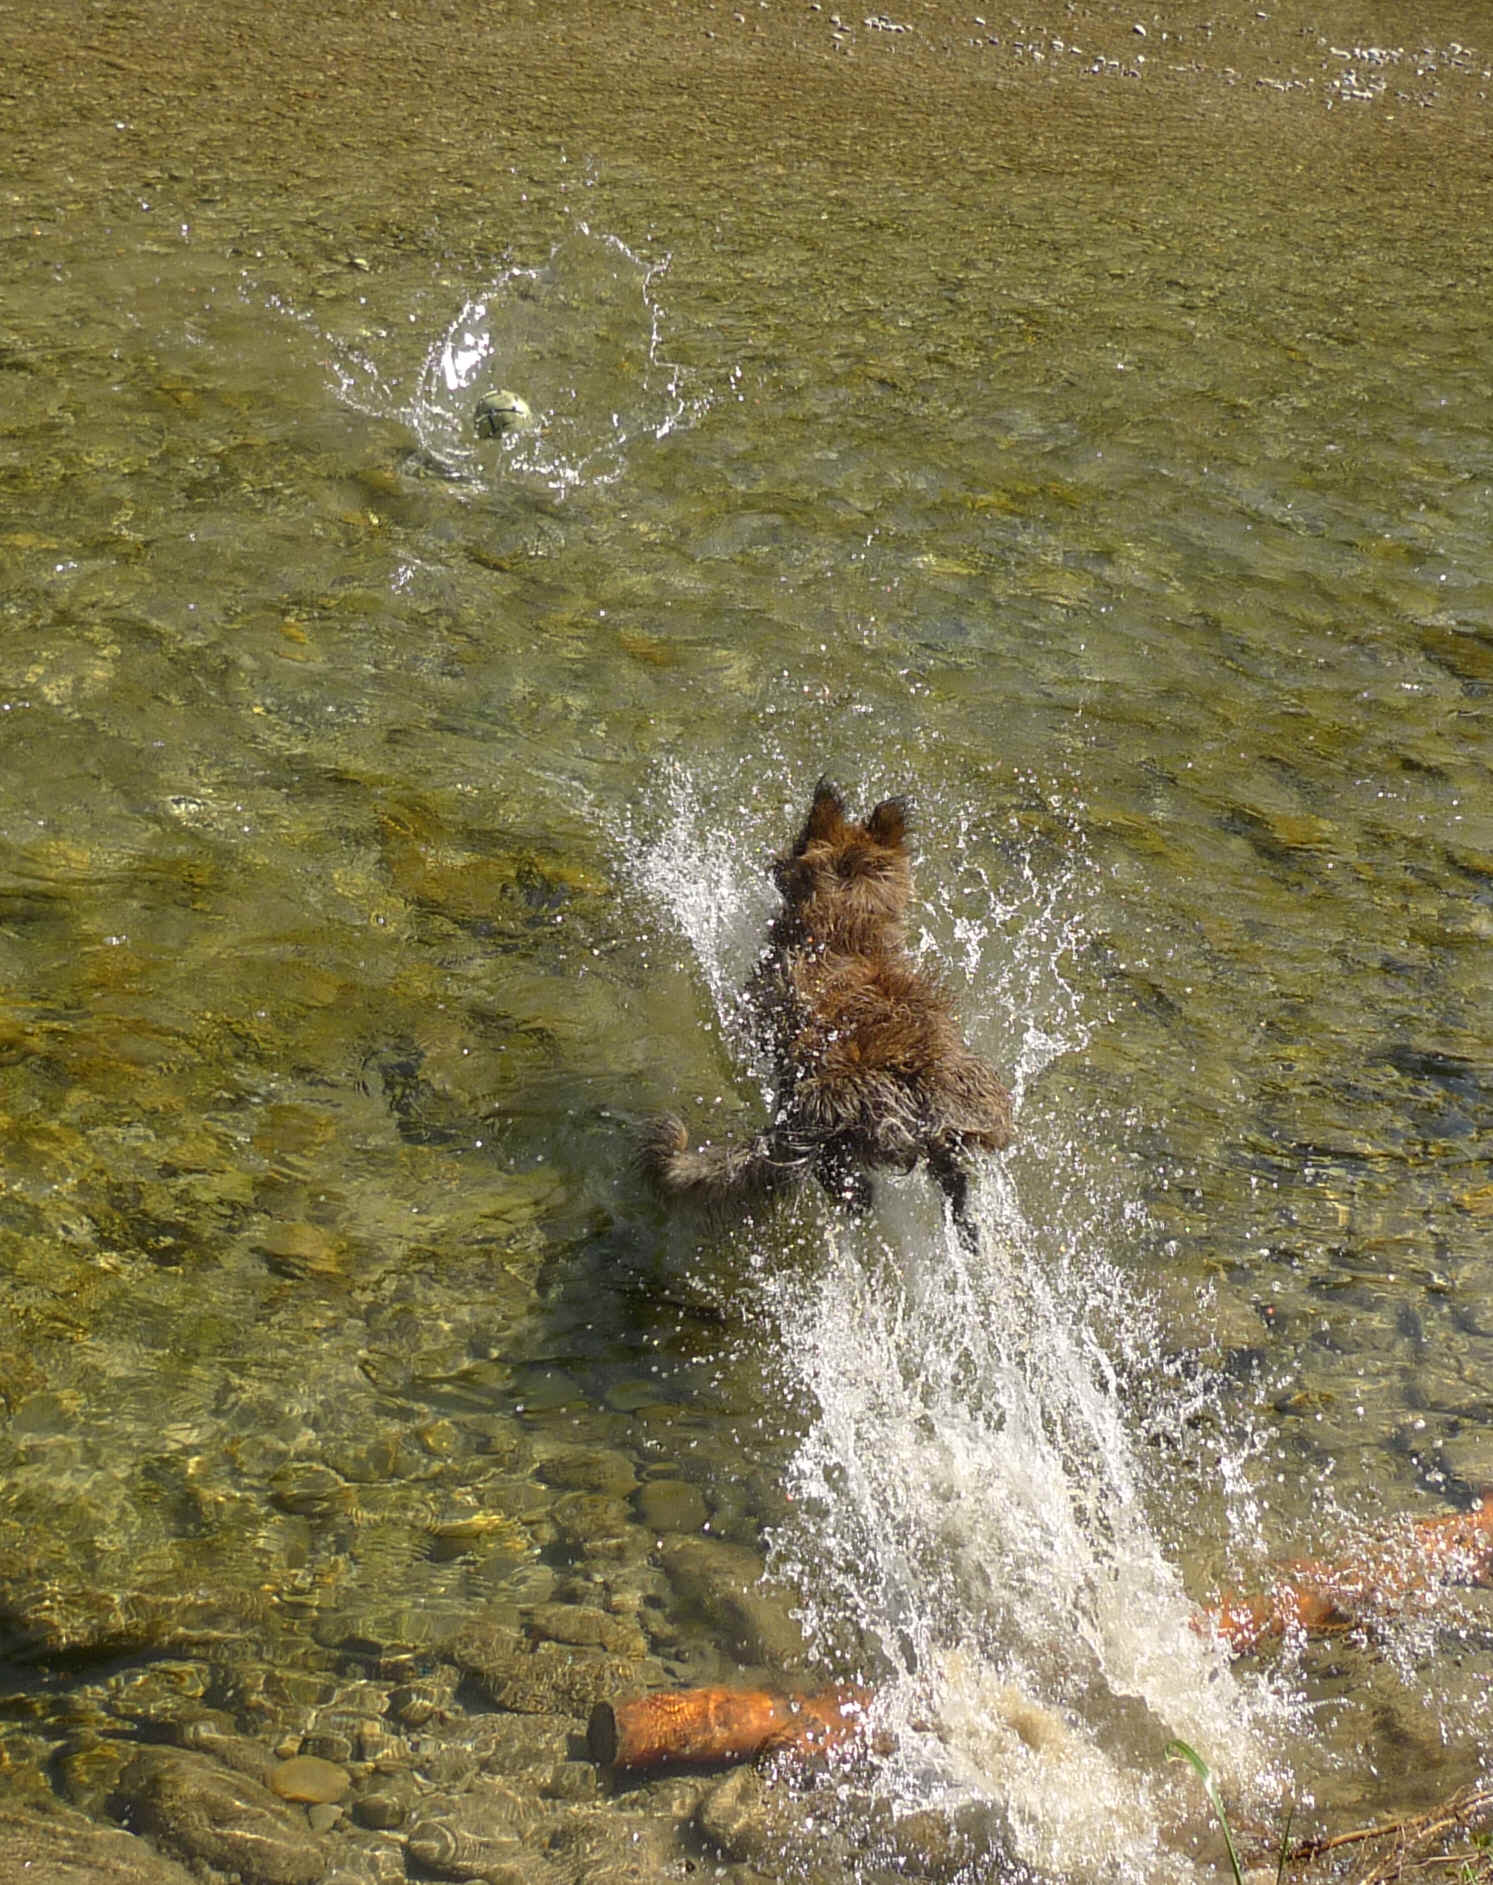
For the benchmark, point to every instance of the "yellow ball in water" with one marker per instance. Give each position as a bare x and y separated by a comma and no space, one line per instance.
502,412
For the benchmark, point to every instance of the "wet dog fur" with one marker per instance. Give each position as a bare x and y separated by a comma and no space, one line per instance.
870,1064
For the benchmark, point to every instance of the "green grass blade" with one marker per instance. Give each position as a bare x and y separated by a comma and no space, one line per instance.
1180,1751
1285,1843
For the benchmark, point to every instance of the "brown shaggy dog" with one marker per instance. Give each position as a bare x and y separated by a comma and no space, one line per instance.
871,1068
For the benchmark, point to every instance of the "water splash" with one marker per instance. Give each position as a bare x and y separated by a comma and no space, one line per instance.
580,337
708,890
971,1500
971,1506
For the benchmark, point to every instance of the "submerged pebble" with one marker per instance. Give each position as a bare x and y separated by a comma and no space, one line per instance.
208,1815
724,1582
309,1778
56,1846
585,1627
385,1801
589,1469
456,1851
671,1505
416,1703
545,1677
301,1250
733,1817
214,1734
89,1771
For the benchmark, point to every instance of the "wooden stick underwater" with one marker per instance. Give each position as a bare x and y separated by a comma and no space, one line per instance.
709,1727
712,1727
1309,1597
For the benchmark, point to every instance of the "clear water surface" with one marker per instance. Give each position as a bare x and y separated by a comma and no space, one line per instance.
382,821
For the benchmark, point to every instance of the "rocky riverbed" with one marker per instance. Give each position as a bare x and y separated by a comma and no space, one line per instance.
1097,444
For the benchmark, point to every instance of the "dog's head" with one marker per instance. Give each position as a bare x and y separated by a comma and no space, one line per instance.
847,883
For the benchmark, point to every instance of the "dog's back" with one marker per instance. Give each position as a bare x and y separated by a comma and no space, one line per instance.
871,1066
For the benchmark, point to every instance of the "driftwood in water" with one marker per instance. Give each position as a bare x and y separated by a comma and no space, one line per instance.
715,1726
709,1727
1310,1596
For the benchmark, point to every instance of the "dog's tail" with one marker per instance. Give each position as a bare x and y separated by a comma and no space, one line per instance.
732,1168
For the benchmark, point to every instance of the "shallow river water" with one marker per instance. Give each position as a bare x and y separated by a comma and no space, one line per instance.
1088,440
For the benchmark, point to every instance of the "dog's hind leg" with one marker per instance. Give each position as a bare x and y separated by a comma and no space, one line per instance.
953,1180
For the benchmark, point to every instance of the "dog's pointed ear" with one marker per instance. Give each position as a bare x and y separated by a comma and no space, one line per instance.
826,815
888,823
